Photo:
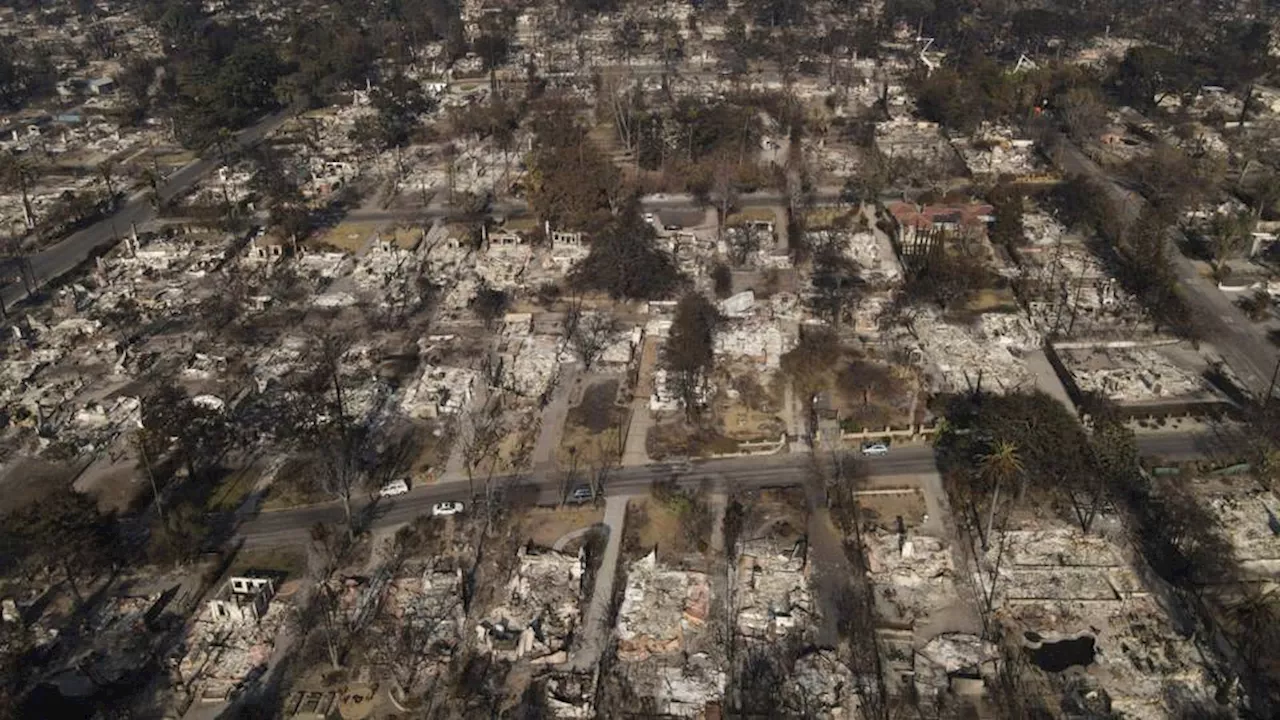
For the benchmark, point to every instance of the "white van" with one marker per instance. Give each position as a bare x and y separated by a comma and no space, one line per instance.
394,488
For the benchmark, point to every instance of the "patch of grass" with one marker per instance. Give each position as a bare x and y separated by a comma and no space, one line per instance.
288,560
349,236
232,491
991,300
680,440
597,411
295,484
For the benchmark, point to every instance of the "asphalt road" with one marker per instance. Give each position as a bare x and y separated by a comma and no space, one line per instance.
515,207
286,527
72,250
1241,343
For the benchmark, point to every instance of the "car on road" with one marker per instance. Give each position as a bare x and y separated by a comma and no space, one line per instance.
580,494
446,508
394,488
875,448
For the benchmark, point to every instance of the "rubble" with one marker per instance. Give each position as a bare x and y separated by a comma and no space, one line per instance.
1132,374
539,611
439,390
683,689
994,153
234,639
531,364
1056,582
659,607
826,683
773,596
916,140
870,250
431,602
914,575
954,355
759,341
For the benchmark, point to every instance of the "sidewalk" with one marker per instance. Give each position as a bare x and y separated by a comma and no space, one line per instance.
595,635
635,453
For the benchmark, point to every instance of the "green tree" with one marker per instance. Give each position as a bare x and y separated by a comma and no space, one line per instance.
19,173
197,433
837,285
1229,235
1148,74
490,305
571,184
399,102
626,262
689,354
1000,465
1007,230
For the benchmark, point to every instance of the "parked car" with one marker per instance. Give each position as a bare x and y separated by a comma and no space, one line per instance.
581,494
875,448
394,488
446,508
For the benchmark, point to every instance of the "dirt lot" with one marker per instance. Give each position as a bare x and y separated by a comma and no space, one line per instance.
653,524
884,510
350,237
31,479
433,454
777,513
593,428
543,526
678,439
295,484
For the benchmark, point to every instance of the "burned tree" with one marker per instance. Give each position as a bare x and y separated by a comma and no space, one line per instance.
589,333
319,421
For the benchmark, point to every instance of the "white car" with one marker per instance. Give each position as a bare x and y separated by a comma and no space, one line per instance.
875,448
394,488
446,508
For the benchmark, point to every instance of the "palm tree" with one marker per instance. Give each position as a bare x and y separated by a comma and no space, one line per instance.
1000,464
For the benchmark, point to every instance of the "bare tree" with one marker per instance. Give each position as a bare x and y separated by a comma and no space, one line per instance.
19,172
589,333
324,555
342,447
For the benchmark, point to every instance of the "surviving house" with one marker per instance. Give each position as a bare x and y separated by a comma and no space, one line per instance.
918,228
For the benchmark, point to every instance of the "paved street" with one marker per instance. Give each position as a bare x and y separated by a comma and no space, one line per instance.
284,527
1240,342
69,252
